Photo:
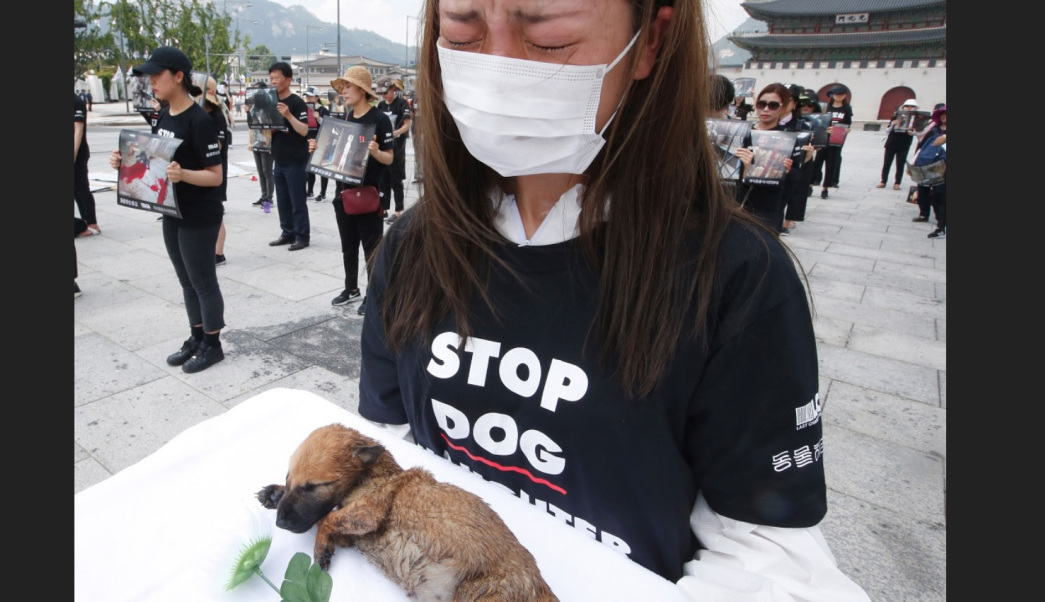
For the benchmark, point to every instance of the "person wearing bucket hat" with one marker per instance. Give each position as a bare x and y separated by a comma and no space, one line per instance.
316,113
898,140
367,228
515,314
290,153
222,122
196,173
398,110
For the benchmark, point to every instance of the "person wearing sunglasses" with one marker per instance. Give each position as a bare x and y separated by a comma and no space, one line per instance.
796,183
765,200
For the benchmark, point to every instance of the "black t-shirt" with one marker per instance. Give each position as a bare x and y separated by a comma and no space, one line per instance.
221,124
200,205
288,146
398,112
374,168
527,403
80,115
842,114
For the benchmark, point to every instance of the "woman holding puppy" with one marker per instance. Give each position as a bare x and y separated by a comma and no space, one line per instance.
575,307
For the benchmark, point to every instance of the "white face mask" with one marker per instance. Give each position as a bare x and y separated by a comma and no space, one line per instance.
524,117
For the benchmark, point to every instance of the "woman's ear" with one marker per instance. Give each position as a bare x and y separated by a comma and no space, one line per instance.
657,30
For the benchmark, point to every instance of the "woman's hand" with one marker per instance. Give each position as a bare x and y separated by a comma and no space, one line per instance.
746,155
174,172
114,159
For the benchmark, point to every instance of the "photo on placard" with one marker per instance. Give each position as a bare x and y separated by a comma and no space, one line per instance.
928,175
260,140
819,122
262,113
837,134
140,92
342,150
744,86
199,79
911,121
770,148
727,135
142,181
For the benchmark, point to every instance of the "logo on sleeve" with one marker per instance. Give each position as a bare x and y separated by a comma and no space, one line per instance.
809,414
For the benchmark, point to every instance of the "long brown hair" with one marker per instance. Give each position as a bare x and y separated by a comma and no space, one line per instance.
665,189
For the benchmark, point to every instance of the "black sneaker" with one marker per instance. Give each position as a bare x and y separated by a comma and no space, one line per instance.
76,290
938,233
259,203
823,193
921,218
362,307
182,355
204,357
219,260
785,232
320,198
308,195
346,297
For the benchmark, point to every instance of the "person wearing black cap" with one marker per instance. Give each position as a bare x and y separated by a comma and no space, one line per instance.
196,174
398,111
841,116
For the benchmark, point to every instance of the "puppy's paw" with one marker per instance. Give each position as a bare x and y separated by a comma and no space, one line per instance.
322,553
270,495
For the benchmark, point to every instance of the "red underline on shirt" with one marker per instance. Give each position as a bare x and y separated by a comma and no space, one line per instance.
502,468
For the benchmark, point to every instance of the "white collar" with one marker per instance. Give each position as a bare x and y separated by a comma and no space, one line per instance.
558,226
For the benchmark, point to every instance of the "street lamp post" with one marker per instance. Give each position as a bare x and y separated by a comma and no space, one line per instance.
308,67
406,50
338,39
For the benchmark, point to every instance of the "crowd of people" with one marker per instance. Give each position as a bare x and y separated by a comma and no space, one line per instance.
781,204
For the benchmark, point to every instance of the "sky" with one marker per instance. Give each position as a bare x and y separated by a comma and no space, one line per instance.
389,18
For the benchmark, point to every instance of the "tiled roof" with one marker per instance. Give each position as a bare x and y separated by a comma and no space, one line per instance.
862,38
834,7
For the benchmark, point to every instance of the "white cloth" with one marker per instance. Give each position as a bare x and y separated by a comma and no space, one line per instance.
170,526
558,226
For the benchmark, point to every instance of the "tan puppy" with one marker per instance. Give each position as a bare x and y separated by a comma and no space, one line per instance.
436,540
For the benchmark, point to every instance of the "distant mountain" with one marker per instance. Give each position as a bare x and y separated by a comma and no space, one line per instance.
283,31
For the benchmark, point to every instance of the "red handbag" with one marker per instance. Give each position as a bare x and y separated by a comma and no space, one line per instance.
360,200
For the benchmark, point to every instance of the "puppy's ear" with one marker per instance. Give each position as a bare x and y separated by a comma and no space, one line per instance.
369,453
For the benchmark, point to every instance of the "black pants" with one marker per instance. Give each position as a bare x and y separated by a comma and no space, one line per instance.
354,230
82,192
312,184
935,198
392,181
895,153
832,163
191,251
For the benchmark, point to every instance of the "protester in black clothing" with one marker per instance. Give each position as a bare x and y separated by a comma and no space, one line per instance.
366,229
316,112
897,145
796,200
741,108
195,172
218,112
831,155
765,201
795,183
289,158
577,312
398,110
82,194
934,198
